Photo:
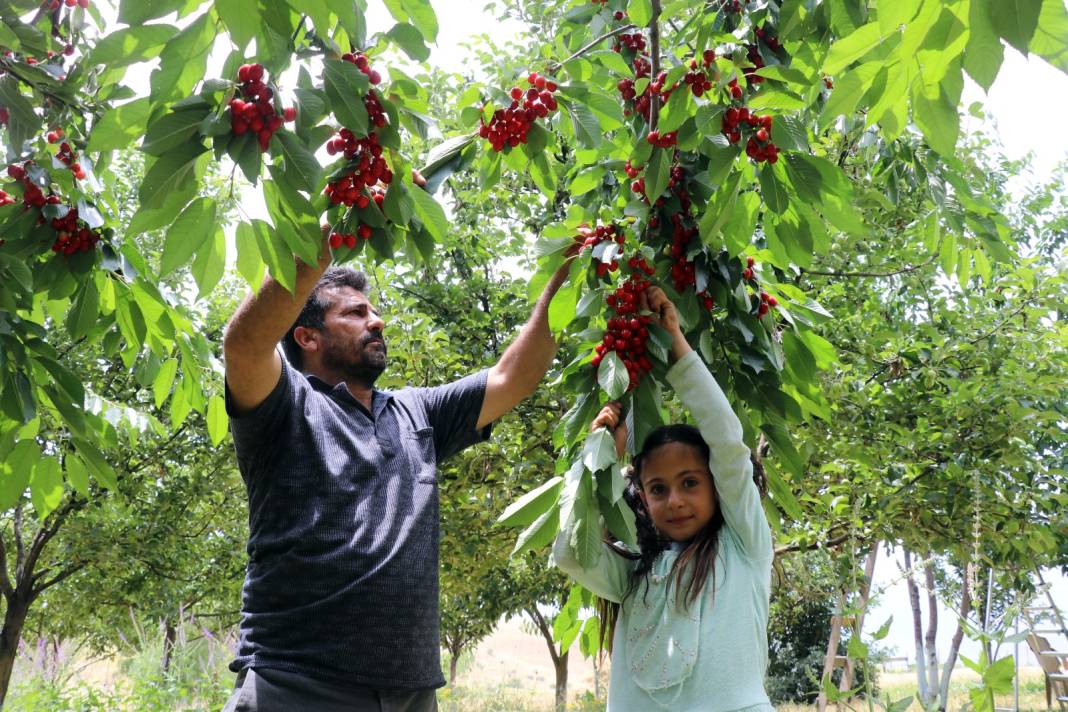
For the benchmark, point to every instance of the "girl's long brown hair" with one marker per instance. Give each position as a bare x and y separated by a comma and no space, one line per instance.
698,558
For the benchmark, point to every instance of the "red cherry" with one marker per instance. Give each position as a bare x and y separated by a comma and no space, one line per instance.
290,113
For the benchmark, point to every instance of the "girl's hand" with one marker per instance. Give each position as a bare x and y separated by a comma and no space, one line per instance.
666,316
608,417
611,417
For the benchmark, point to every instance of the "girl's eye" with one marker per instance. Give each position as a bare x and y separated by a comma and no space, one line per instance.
656,489
692,482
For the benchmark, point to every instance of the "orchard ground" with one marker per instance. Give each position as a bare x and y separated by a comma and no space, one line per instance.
511,672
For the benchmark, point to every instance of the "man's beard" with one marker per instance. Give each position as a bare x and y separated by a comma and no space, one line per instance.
363,363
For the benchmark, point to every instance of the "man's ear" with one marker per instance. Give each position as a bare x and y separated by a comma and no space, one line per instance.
306,338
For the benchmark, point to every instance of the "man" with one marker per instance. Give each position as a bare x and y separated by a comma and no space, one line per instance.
340,602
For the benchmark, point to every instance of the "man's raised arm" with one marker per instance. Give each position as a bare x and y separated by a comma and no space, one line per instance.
521,367
253,365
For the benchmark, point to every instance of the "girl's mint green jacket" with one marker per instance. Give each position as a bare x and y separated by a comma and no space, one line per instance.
713,655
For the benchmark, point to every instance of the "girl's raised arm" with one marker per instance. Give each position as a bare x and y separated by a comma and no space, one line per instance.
728,460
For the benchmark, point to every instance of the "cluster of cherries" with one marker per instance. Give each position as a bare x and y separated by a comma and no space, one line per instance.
697,78
662,140
759,147
509,127
366,168
66,154
640,264
766,300
337,239
254,110
627,332
72,234
371,102
683,273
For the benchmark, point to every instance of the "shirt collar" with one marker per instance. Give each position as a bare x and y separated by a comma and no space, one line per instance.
341,392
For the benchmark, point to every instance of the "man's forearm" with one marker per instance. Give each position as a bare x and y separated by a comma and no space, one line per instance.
264,317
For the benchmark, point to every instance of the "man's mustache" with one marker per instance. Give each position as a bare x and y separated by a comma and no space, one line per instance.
371,337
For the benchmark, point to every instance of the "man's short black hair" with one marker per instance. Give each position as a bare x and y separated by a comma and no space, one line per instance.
313,314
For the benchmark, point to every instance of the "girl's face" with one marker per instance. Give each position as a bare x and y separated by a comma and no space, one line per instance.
677,490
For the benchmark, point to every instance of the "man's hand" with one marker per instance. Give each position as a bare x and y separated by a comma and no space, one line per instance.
611,417
666,316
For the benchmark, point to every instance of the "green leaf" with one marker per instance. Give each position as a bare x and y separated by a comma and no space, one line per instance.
657,174
852,47
640,12
24,121
46,486
242,19
161,386
410,40
131,45
210,263
276,254
532,505
678,108
421,14
136,12
345,87
612,376
302,169
245,152
97,463
772,190
599,450
1051,37
172,130
84,311
984,53
185,237
538,534
15,471
937,116
77,474
998,677
172,173
217,420
431,214
587,128
848,91
1015,20
183,61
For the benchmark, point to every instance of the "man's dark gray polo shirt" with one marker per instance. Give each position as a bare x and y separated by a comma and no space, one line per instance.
342,579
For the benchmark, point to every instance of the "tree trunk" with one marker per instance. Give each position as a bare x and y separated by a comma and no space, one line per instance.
954,646
560,662
832,652
917,630
14,620
454,658
858,620
170,633
932,634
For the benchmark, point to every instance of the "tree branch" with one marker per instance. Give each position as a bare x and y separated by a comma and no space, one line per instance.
590,45
654,51
40,588
5,580
543,627
893,273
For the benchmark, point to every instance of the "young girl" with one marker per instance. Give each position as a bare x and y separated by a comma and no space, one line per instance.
692,606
